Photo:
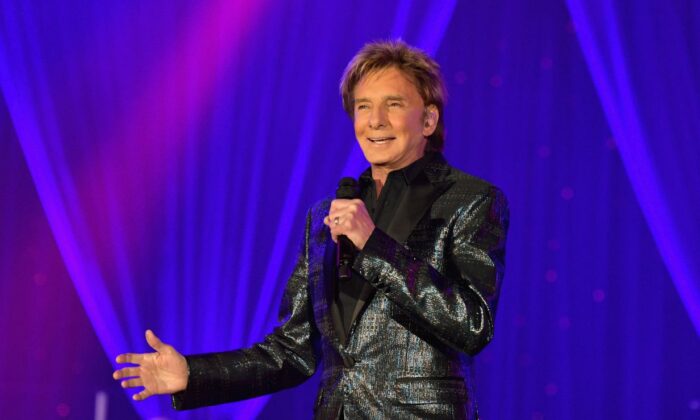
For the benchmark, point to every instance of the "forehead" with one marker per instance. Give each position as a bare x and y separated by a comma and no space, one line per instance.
386,81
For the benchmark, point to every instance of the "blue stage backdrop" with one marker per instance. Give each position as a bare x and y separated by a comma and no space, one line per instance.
157,159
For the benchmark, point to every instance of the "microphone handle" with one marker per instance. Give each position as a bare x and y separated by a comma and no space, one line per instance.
345,250
345,257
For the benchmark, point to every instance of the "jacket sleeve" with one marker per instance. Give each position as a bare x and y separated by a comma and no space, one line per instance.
285,358
457,304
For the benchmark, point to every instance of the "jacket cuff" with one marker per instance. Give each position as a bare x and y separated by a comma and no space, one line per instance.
374,257
183,400
199,391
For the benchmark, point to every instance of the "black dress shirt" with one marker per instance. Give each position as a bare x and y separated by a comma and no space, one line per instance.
381,209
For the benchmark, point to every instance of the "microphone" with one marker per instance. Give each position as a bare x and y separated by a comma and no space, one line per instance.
345,250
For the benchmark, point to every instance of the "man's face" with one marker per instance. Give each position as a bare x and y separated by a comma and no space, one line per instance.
391,123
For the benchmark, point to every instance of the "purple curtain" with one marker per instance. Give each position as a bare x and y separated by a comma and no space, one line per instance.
643,58
157,160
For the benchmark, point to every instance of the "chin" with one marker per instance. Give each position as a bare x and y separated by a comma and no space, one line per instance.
376,160
377,157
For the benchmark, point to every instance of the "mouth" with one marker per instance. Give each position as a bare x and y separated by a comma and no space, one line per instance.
381,140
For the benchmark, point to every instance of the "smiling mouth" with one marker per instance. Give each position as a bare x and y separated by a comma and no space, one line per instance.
380,140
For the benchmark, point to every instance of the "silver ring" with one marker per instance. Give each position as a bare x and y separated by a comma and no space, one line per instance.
336,220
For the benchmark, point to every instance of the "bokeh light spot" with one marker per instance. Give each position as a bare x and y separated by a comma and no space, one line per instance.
551,389
40,354
63,410
567,193
40,279
610,143
564,323
598,295
546,63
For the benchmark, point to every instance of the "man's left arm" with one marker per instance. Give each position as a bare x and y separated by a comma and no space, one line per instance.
458,305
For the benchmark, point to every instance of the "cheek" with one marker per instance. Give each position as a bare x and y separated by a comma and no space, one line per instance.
358,131
359,126
407,122
416,124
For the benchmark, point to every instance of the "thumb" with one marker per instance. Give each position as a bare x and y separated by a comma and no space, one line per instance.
154,341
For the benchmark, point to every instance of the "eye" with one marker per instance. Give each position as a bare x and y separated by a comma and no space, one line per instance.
361,107
395,104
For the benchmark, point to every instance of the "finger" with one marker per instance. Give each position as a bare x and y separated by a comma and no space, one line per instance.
154,341
349,205
334,220
142,395
132,383
338,229
337,233
339,213
128,372
134,358
339,204
345,219
358,206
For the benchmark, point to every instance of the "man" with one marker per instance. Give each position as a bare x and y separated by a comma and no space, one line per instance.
395,340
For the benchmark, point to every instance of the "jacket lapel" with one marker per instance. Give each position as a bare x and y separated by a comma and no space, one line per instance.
419,198
366,295
330,284
415,203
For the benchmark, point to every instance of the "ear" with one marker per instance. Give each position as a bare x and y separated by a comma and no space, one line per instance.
430,120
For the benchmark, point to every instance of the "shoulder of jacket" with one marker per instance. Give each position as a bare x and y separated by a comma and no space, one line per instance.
464,183
320,208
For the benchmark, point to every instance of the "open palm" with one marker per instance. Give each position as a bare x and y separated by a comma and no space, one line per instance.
161,372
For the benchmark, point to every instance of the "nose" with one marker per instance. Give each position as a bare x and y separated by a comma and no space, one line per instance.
378,118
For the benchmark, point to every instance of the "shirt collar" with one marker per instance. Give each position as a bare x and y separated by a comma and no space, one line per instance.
409,174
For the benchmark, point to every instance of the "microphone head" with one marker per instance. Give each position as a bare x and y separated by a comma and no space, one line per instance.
348,188
347,181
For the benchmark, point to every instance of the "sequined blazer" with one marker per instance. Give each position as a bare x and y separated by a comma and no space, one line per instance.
433,279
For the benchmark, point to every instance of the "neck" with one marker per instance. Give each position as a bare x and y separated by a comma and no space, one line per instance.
381,172
378,184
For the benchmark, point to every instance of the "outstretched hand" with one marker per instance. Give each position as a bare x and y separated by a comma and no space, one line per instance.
162,372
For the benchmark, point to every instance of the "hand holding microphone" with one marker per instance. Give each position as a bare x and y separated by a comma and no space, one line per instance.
350,224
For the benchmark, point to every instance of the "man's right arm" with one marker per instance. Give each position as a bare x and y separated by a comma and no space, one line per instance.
285,358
